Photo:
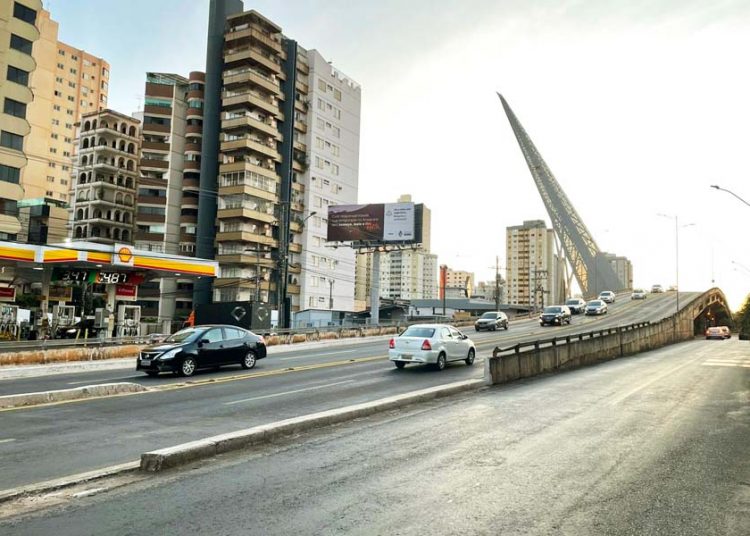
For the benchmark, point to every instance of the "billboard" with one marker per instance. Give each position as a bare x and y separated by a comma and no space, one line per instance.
378,222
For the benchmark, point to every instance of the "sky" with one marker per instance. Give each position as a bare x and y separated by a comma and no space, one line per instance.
636,106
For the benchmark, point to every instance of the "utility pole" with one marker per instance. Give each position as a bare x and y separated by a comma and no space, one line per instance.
330,297
497,283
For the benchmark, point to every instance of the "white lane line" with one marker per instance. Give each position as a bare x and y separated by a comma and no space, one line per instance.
94,381
725,364
7,440
286,393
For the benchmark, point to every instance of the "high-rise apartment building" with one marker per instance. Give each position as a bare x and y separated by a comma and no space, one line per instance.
534,271
18,32
106,178
167,200
332,145
276,145
67,82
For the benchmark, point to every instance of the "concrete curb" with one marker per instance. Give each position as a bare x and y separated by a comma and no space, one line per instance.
167,458
88,391
67,481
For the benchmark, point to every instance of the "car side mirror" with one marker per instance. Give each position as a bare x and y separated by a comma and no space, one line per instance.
205,341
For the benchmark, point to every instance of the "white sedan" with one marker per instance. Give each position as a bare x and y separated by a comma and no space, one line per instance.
435,344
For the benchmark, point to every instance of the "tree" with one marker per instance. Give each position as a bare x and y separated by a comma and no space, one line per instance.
742,317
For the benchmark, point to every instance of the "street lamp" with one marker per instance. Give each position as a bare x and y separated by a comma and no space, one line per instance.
729,192
677,228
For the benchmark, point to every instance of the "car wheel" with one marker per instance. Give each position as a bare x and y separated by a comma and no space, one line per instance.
399,364
470,357
188,367
152,373
506,326
441,361
494,327
249,361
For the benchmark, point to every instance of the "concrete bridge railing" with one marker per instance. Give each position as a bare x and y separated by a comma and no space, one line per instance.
561,353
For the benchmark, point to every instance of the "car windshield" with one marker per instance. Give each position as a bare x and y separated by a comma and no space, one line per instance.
552,309
185,335
571,302
596,303
489,316
421,332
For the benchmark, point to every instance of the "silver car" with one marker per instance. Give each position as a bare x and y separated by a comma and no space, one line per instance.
433,344
607,296
596,307
492,320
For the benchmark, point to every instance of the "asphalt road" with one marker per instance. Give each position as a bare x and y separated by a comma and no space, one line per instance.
654,444
41,443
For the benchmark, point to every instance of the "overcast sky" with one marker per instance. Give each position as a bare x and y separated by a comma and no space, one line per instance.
636,106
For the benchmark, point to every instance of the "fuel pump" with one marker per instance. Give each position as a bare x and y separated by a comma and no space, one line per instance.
128,320
63,319
8,322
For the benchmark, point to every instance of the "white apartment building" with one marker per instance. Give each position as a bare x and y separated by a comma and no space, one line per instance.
408,275
332,178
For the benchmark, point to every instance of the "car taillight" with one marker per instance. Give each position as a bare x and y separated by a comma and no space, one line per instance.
392,343
426,345
707,332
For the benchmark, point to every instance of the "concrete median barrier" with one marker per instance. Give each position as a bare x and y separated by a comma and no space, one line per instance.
167,458
62,395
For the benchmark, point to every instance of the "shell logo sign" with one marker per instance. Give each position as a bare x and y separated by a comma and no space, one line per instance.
123,255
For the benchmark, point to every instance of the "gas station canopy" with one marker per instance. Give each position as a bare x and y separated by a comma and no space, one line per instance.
120,258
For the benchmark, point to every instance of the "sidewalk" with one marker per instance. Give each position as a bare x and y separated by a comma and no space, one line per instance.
30,371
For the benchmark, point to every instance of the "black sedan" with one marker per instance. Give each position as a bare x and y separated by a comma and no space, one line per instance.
555,314
202,347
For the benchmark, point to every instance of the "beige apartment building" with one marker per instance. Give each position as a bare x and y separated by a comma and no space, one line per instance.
18,32
458,283
534,269
67,83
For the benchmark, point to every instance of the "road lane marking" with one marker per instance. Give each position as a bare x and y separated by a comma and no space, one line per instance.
718,362
199,383
94,381
7,440
274,395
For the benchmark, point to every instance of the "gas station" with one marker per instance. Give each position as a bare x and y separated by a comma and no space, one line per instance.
57,268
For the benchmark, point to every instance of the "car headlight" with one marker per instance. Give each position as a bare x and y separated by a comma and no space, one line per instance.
170,354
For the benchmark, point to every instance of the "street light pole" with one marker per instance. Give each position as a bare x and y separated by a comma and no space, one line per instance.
729,192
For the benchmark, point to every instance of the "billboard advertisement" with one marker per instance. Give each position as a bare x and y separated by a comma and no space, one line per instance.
378,222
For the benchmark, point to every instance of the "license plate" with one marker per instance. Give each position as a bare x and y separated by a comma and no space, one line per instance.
406,356
145,362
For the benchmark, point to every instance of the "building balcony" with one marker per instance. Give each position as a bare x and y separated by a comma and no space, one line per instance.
246,236
146,236
193,129
246,213
192,147
231,101
247,143
247,166
250,34
155,146
189,202
293,289
192,165
247,258
152,200
189,218
154,164
253,54
236,123
300,146
295,248
113,132
150,218
165,111
191,184
251,77
153,127
245,188
300,126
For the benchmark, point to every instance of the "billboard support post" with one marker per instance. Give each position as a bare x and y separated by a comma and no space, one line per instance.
375,289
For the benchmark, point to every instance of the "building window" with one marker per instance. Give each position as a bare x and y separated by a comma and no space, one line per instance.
58,79
19,76
53,150
71,98
67,125
24,13
61,52
337,94
66,153
58,93
14,108
56,122
74,58
49,193
68,140
11,141
54,136
50,179
9,174
64,182
56,107
60,66
69,112
73,71
19,43
72,84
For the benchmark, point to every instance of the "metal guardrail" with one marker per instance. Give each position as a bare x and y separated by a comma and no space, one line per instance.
59,344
